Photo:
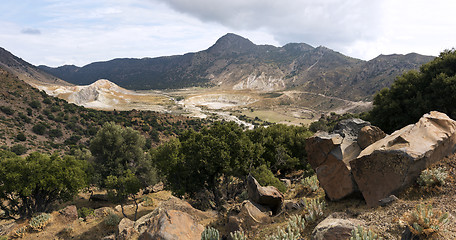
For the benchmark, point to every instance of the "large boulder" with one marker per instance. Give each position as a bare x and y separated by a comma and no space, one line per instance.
394,162
334,228
252,213
126,230
330,155
173,225
368,135
69,213
268,196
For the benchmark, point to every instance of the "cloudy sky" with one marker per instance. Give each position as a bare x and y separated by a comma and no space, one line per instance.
58,32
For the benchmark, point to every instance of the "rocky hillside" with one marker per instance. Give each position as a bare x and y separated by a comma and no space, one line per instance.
31,120
26,71
235,62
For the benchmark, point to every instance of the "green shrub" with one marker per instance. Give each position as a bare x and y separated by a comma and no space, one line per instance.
265,177
40,221
424,221
313,209
53,133
35,104
238,235
21,137
147,201
210,233
311,183
431,177
20,232
359,233
295,227
112,219
85,212
39,128
19,149
7,110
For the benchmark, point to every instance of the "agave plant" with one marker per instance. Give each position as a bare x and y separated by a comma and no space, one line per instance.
210,233
359,233
425,221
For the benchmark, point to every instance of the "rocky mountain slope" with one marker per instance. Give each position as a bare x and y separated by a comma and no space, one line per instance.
26,71
236,63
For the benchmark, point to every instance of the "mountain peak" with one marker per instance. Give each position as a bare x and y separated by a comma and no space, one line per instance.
230,43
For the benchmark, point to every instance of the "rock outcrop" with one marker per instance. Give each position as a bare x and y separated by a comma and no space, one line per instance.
126,230
172,225
334,228
268,196
330,154
69,213
394,162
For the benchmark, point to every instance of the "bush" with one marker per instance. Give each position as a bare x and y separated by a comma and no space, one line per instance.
53,133
40,221
35,104
7,110
112,219
265,177
238,235
424,221
39,128
21,137
311,183
295,227
359,233
210,233
85,212
19,149
431,177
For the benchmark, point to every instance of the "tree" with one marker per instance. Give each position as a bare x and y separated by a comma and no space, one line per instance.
120,162
415,93
33,184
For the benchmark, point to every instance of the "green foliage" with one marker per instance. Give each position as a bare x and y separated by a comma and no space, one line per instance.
295,227
53,133
20,232
265,177
85,212
39,128
359,233
210,233
7,110
40,221
313,209
431,177
19,149
35,104
416,93
328,122
425,221
21,137
238,235
147,201
3,238
311,183
112,219
32,184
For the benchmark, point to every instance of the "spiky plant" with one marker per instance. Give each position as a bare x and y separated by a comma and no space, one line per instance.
431,177
295,227
424,220
313,209
359,233
311,183
238,235
20,232
210,233
40,221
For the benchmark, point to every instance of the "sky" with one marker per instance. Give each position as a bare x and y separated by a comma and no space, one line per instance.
79,32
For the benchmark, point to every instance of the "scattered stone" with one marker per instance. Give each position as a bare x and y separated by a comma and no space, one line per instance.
110,237
102,212
252,213
368,135
69,213
388,200
158,187
291,205
333,228
268,196
172,225
394,162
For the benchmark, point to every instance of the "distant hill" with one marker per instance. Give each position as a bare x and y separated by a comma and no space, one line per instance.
234,62
33,121
26,71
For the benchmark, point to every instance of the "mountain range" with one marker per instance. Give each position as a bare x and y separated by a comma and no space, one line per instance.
236,63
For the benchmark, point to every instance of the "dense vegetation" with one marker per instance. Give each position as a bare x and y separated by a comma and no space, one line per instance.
207,161
416,93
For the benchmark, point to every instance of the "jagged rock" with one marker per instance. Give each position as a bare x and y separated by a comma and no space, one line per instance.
69,213
330,155
291,205
155,188
368,135
268,196
394,162
126,230
287,182
333,228
252,214
172,225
